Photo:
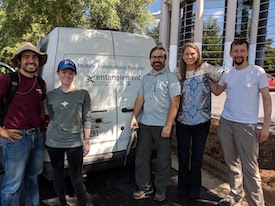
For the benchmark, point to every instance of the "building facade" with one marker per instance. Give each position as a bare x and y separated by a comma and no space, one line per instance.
214,24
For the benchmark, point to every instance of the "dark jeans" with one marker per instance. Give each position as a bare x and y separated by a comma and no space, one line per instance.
189,176
148,136
75,160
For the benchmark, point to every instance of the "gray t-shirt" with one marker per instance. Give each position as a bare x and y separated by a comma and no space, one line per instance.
69,114
158,90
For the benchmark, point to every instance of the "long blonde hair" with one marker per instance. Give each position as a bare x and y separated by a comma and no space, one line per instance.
182,64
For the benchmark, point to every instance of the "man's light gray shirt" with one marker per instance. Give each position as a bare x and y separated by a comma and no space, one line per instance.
158,90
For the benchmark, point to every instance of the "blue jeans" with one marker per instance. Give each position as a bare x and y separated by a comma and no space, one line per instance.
22,163
189,176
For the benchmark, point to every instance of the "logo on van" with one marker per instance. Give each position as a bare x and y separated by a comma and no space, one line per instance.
90,79
112,79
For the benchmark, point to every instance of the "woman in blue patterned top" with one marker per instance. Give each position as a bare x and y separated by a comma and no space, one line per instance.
193,118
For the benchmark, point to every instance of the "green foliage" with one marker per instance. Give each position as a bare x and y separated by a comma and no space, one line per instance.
27,20
134,15
103,14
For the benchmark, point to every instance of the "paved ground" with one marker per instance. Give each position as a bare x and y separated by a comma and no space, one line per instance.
114,188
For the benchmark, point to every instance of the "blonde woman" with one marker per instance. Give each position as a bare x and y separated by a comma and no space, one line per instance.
193,118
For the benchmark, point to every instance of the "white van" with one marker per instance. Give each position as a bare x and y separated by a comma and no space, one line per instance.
110,66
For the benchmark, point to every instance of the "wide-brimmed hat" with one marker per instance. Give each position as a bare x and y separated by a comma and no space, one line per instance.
27,46
66,64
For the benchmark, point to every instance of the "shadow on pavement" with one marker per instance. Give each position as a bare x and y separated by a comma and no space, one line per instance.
114,187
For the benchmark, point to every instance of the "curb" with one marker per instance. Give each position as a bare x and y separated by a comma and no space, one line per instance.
220,170
210,181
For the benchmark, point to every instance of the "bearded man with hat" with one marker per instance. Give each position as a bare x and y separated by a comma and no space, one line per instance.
23,141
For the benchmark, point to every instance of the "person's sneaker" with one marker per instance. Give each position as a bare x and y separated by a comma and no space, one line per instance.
193,197
229,201
142,194
160,195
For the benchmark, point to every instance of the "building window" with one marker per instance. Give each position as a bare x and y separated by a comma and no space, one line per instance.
187,24
215,12
213,32
265,52
243,19
213,29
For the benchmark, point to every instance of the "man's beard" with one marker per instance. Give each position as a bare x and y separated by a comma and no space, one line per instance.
238,63
27,71
159,67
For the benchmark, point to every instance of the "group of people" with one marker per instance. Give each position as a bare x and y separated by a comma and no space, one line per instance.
183,97
23,143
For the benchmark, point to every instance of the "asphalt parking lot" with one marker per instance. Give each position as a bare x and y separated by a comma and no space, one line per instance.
114,187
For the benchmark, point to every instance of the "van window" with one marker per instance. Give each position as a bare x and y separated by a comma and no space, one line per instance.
4,68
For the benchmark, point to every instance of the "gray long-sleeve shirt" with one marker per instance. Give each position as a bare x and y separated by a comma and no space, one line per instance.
69,114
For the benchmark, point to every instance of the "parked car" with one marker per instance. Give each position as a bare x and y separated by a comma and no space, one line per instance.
5,68
271,81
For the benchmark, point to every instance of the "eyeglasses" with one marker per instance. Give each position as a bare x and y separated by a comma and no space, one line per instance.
157,57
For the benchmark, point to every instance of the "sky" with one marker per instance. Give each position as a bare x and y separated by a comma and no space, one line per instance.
155,6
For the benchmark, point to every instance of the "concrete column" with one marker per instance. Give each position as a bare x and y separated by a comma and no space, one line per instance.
254,32
229,31
173,51
164,25
199,24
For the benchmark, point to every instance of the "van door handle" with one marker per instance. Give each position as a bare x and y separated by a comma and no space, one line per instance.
98,120
124,110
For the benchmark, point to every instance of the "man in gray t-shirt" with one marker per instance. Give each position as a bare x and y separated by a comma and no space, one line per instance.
158,97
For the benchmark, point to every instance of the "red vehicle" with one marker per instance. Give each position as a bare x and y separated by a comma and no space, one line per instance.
271,81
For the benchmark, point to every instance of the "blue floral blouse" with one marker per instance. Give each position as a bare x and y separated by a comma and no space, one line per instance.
195,105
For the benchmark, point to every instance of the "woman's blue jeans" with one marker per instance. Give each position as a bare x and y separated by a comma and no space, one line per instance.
194,137
22,163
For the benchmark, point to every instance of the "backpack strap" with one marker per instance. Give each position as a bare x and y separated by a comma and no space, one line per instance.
42,87
12,90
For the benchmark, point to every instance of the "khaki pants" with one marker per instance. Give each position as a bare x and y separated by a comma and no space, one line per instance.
241,149
149,136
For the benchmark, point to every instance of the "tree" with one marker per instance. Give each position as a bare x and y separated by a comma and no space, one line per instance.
26,20
103,14
134,15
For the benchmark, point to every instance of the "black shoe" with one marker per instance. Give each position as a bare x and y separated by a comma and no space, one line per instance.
193,197
181,196
160,195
